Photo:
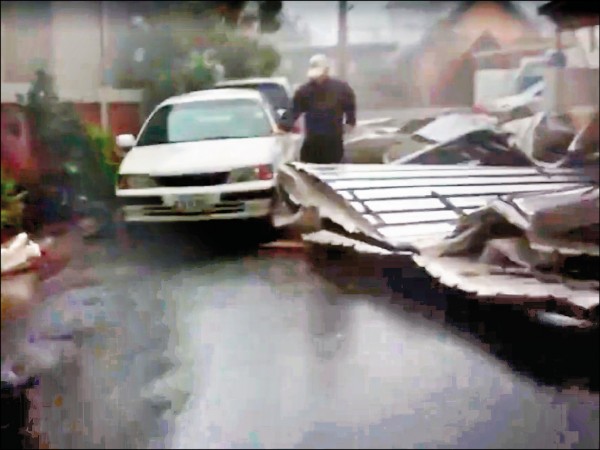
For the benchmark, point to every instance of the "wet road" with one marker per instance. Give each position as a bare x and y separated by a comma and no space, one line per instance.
190,346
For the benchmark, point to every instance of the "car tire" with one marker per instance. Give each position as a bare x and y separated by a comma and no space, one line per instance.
266,231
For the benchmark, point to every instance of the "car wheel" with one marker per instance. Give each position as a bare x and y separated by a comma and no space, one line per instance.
267,230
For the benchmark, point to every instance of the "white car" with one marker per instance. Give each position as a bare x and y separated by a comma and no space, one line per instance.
279,94
277,90
205,155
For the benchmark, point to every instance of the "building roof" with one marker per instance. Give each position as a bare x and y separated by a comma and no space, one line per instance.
454,17
508,7
463,7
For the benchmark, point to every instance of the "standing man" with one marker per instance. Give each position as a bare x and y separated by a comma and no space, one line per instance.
329,106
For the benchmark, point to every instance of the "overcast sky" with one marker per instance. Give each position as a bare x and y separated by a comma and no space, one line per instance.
369,21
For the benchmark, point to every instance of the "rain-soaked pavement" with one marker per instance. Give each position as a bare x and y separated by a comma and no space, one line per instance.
188,346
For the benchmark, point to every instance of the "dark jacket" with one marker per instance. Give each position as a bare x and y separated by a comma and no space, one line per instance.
325,105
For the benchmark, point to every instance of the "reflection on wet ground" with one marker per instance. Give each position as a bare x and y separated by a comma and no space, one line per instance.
197,346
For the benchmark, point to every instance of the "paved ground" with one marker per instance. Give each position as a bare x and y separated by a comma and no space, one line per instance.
193,346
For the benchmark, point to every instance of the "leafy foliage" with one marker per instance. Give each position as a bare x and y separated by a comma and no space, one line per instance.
57,126
61,132
167,57
242,57
102,143
12,204
229,11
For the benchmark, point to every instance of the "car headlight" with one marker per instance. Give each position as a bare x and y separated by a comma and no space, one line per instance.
252,173
136,182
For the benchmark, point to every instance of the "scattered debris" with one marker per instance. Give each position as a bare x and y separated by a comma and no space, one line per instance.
367,143
18,252
478,148
516,106
525,249
542,137
584,150
449,127
393,206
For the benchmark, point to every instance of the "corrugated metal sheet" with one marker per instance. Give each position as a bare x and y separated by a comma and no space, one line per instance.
331,239
407,203
476,278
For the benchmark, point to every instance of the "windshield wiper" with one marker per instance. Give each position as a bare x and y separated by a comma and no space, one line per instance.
216,138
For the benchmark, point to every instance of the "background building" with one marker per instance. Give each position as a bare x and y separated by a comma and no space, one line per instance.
76,42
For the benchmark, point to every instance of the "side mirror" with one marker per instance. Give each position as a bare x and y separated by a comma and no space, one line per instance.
126,141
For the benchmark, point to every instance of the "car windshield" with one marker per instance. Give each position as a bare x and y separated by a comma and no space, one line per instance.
204,120
275,93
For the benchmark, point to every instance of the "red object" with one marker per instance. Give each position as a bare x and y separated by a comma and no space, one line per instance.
298,127
89,113
265,172
124,118
17,144
478,109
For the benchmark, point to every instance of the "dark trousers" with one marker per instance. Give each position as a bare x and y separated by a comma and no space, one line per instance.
321,149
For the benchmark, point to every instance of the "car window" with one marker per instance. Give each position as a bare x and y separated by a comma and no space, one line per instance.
275,94
214,119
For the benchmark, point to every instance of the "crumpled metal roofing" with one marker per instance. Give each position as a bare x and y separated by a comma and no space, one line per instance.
476,278
399,205
331,239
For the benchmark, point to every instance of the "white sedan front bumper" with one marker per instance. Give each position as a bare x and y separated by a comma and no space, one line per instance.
254,200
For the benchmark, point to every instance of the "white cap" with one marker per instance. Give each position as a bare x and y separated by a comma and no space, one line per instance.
318,66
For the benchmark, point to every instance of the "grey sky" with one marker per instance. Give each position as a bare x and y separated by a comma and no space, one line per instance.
370,21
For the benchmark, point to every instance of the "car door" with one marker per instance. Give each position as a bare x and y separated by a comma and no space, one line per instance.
284,142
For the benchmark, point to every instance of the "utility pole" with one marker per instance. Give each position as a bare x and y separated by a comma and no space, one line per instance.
342,55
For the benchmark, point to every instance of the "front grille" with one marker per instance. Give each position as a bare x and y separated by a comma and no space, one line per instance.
202,179
249,195
140,201
220,208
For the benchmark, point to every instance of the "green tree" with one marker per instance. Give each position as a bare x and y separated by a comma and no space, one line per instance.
12,205
167,57
57,126
269,12
60,131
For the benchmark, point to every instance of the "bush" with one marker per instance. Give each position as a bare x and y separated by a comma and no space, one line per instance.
72,144
172,45
56,125
12,204
102,143
242,57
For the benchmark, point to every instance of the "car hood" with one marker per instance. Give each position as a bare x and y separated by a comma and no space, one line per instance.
200,156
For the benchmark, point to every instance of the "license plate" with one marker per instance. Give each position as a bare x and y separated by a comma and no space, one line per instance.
196,202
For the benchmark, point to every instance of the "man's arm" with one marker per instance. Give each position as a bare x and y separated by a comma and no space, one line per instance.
349,106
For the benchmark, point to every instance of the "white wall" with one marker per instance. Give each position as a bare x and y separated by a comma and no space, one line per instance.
491,84
585,47
77,58
77,48
571,88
